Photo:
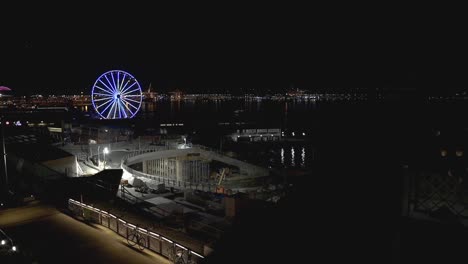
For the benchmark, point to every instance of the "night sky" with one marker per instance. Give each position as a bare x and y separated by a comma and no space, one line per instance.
226,51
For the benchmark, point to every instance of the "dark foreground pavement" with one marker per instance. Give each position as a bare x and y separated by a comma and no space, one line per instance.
45,235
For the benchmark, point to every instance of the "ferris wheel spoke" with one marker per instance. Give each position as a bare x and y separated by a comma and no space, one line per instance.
122,109
100,94
121,83
125,104
109,113
100,88
110,84
134,107
116,82
103,111
132,95
126,89
128,92
102,99
110,110
102,104
124,86
115,107
130,104
131,100
113,81
108,88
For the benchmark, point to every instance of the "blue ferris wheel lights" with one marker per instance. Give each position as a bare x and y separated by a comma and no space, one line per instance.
116,94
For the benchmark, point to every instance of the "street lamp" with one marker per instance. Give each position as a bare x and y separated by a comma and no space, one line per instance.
4,156
6,240
105,151
98,158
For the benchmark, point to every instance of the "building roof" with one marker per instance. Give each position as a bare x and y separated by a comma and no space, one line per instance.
23,139
4,88
36,152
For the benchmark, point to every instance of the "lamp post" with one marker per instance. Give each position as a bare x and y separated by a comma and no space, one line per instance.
99,160
4,155
105,151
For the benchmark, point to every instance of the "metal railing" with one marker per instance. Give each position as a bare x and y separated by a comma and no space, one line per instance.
145,239
147,150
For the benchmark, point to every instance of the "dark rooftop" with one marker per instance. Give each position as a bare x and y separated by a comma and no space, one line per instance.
37,152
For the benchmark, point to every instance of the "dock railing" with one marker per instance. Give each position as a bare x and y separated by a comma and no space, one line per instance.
135,235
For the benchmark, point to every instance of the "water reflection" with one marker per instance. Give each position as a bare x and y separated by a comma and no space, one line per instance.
303,155
282,156
293,158
150,107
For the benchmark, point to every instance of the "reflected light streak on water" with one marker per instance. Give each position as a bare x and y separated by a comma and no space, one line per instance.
282,156
293,162
303,155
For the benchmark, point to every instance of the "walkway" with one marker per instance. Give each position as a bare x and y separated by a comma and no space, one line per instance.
53,237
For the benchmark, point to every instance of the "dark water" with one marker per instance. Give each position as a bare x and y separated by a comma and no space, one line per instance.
207,122
262,113
407,125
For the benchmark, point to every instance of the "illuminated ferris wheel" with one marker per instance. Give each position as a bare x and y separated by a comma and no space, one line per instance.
116,94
